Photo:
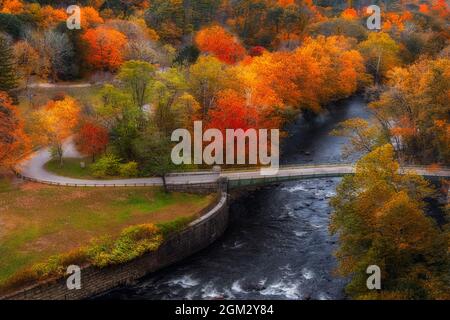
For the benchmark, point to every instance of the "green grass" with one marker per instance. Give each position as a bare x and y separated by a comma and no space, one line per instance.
71,168
38,221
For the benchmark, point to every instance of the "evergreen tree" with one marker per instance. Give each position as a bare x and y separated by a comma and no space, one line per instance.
8,79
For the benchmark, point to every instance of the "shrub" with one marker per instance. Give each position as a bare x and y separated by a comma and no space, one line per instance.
174,225
108,165
129,169
55,266
133,242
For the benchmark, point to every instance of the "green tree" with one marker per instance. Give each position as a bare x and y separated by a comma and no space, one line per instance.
137,77
153,150
11,24
8,78
380,220
166,94
207,77
122,117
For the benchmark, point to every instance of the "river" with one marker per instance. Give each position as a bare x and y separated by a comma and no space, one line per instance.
277,245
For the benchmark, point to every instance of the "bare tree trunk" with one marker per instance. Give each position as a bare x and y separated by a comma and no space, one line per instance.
166,190
59,152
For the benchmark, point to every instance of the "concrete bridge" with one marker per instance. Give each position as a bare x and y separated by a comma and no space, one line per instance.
244,178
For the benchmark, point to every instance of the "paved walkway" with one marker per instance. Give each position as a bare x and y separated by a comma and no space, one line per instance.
45,85
33,169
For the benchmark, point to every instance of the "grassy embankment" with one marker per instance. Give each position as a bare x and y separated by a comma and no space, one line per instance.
38,222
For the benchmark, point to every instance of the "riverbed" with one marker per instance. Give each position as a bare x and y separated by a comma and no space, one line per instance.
277,245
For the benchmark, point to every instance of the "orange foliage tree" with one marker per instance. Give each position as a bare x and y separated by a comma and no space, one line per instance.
14,143
104,48
349,14
90,17
232,112
56,121
441,8
92,139
12,7
217,41
50,17
322,70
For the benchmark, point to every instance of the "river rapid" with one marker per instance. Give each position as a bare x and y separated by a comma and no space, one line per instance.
277,245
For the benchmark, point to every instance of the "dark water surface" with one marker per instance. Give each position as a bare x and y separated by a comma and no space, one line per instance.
277,245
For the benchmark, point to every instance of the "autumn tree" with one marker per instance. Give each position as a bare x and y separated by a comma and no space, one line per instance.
220,43
167,17
381,53
207,77
363,136
232,112
49,17
90,17
322,70
56,121
14,143
380,220
341,27
414,111
12,6
104,48
56,54
92,139
26,58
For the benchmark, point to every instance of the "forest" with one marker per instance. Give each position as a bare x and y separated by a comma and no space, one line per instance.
136,70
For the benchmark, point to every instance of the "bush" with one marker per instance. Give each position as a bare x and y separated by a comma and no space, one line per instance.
133,242
55,266
174,225
129,169
108,165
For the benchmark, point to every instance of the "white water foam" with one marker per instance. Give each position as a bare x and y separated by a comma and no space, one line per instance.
210,292
323,296
307,274
281,288
300,233
295,188
185,282
236,287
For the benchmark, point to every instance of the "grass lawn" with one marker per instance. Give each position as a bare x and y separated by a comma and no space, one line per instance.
72,168
37,221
